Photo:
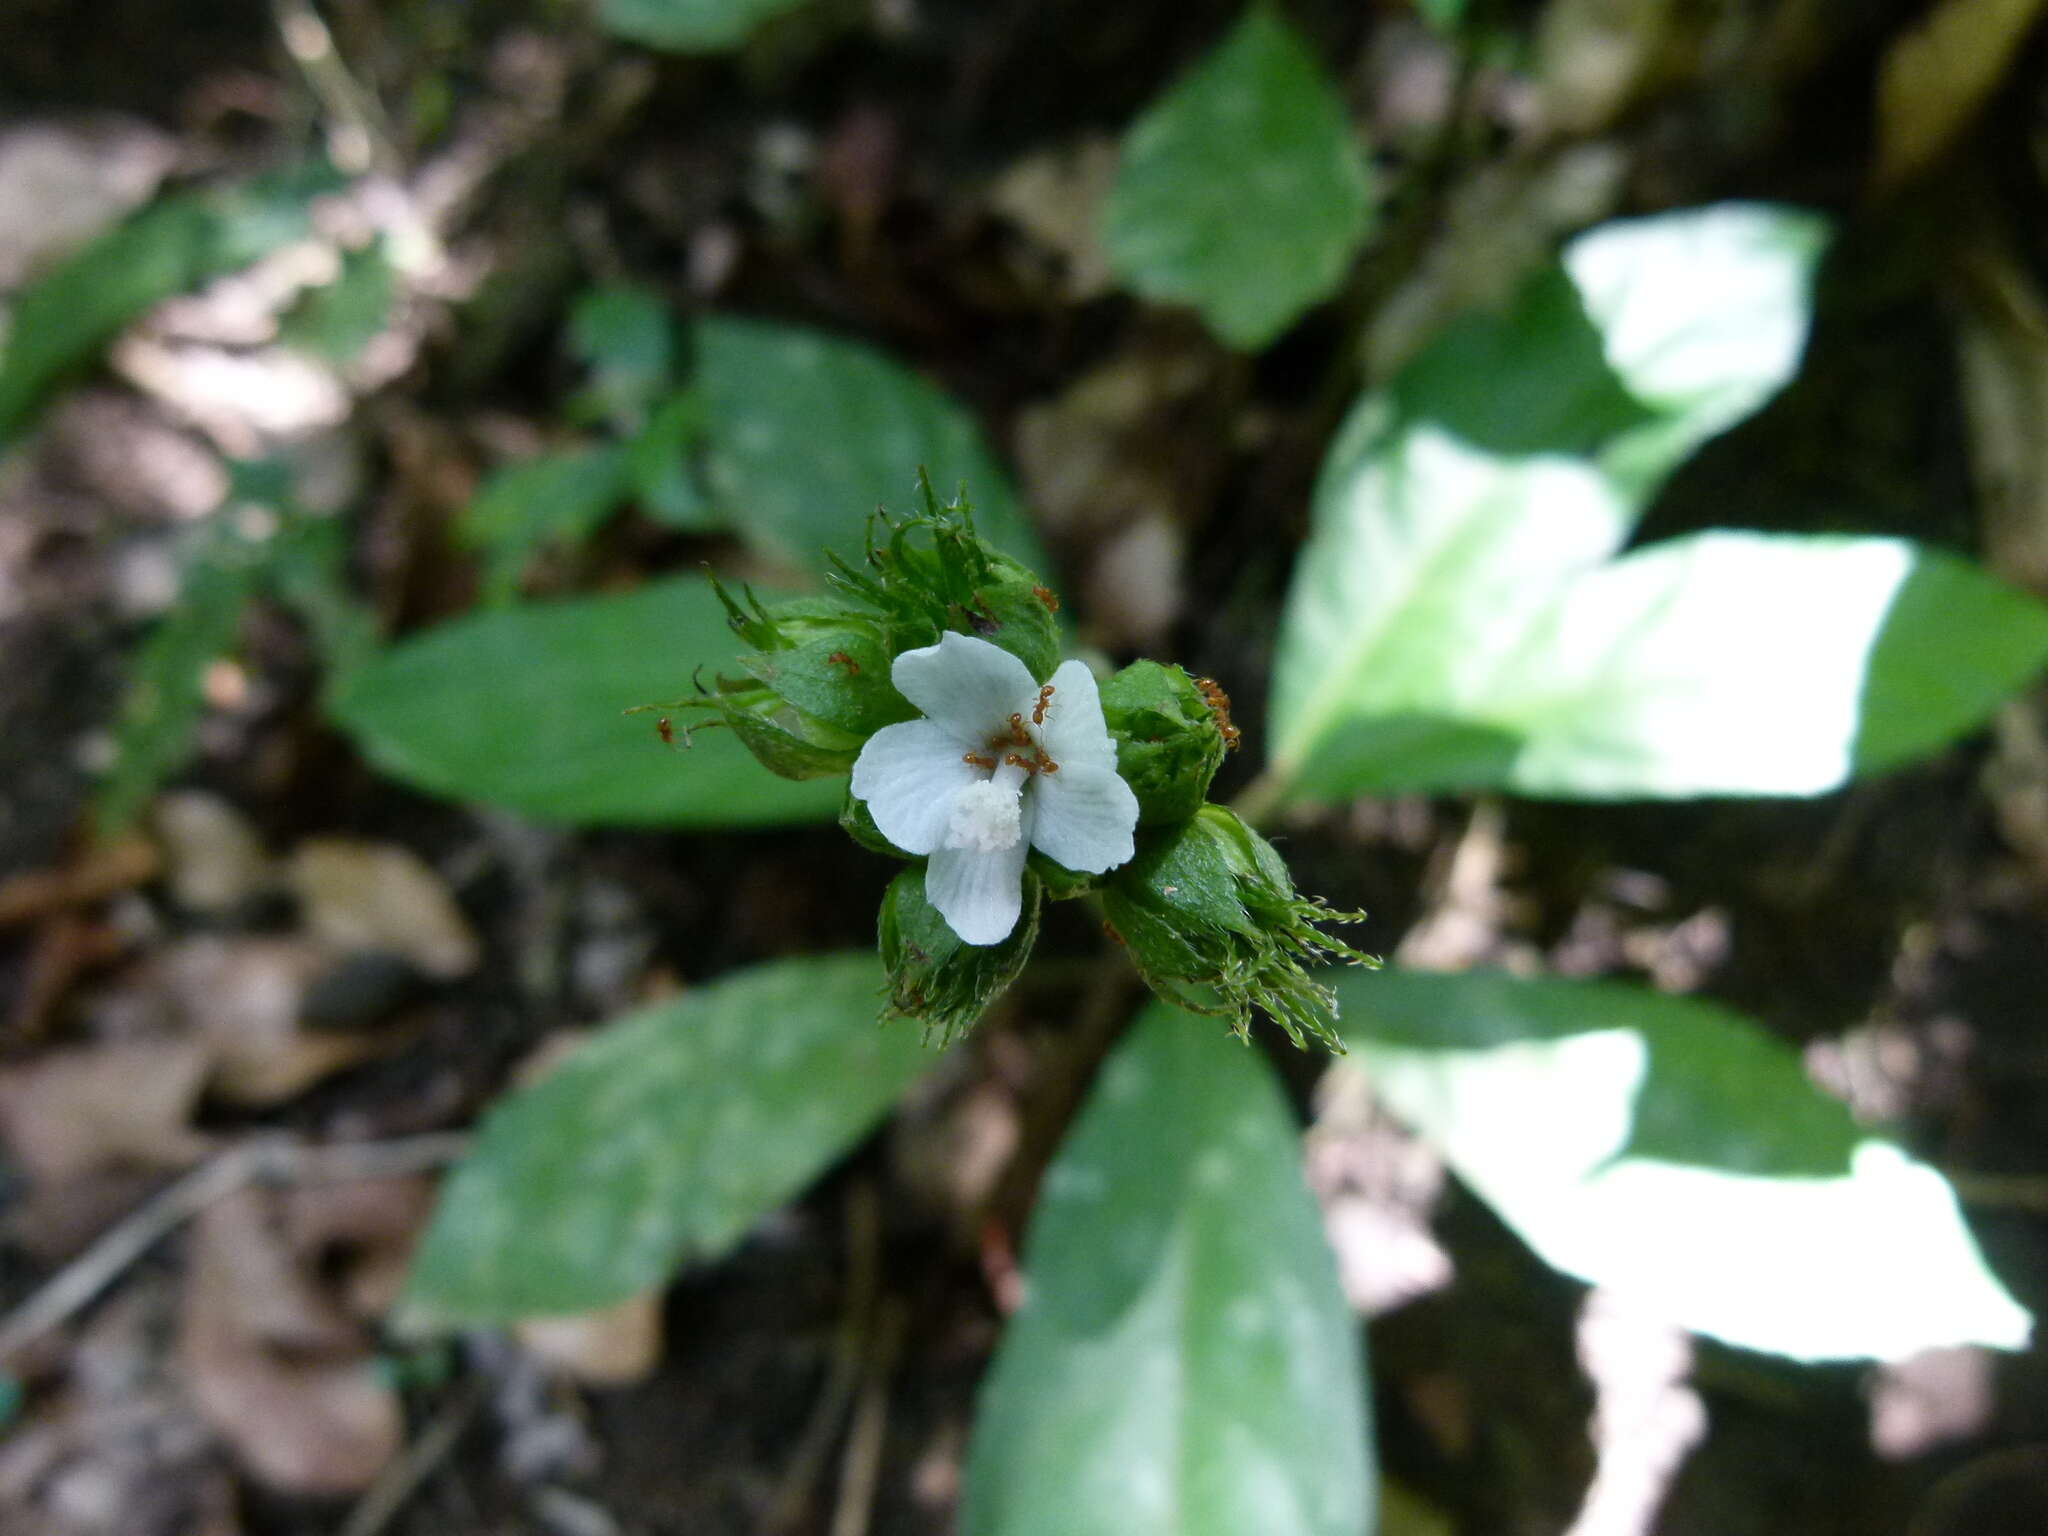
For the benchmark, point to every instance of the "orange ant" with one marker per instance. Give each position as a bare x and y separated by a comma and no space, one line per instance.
1048,597
975,759
841,659
666,732
1219,706
1038,709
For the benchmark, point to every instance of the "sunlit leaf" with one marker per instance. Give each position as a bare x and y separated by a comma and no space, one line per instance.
1184,1363
1242,190
1458,620
805,434
663,1139
523,708
689,26
177,243
1671,1151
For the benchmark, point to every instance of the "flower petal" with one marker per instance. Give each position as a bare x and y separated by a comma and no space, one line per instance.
1084,816
1074,732
967,685
909,774
979,894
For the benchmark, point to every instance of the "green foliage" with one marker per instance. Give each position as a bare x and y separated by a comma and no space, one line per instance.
337,320
1674,1152
62,321
1242,190
1184,1363
160,716
663,1139
689,26
935,978
624,337
806,434
524,708
1457,619
554,500
1168,744
1210,915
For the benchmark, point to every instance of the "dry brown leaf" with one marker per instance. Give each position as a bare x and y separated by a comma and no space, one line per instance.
245,998
104,870
274,1365
377,896
1936,78
213,860
612,1348
362,1232
102,1106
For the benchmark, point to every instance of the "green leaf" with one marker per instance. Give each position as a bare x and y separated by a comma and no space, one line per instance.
1242,190
1184,1363
160,716
663,1139
659,466
337,320
523,708
623,335
1673,1152
806,434
1458,620
689,26
554,500
61,322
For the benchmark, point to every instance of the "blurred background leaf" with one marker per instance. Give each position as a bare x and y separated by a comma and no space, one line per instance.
806,434
689,26
1242,190
1670,1151
63,320
1184,1363
523,708
663,1139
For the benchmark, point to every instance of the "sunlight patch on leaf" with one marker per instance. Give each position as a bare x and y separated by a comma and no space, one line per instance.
1670,1151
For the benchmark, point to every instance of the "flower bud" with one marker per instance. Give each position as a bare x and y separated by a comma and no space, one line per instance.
1210,915
782,738
1168,746
934,976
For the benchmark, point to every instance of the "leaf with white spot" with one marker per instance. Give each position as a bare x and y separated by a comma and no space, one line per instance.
805,434
1672,1152
1242,191
525,708
1458,621
663,1139
1184,1363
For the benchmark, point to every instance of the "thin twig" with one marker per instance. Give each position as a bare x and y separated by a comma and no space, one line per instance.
75,1286
860,1468
403,1477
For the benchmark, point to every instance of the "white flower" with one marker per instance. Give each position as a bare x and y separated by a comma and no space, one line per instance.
999,766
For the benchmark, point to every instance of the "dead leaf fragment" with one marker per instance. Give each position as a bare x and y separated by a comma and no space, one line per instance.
611,1348
377,896
274,1365
129,1102
100,873
213,860
246,998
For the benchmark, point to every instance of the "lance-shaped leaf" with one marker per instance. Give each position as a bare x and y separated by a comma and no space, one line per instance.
663,1138
1184,1363
1671,1151
1242,191
525,708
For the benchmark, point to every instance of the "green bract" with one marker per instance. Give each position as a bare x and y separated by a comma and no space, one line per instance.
1211,917
936,978
1168,742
